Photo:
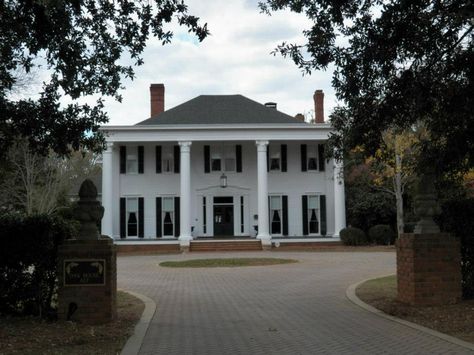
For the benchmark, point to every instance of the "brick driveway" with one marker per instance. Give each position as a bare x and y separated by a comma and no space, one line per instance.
283,309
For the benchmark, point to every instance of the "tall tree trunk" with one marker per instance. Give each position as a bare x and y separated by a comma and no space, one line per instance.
399,193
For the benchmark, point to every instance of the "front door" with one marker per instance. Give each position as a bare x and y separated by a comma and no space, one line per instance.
223,220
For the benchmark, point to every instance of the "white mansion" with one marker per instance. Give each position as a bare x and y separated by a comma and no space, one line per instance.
221,166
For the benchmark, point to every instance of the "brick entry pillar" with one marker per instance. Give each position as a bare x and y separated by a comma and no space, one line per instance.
87,268
428,269
88,281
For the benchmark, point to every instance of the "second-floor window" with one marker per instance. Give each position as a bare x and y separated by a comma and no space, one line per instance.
223,158
312,157
216,160
167,161
132,160
275,158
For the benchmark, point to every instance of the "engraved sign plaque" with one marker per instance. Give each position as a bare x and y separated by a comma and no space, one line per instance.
84,272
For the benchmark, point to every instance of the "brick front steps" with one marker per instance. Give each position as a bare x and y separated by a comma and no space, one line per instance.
142,249
224,245
289,246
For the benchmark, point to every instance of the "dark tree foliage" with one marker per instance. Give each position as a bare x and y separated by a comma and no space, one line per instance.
367,207
29,261
457,219
397,63
83,44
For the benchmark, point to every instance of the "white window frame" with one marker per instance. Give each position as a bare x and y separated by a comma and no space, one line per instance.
312,153
318,214
163,214
270,212
132,156
167,155
129,210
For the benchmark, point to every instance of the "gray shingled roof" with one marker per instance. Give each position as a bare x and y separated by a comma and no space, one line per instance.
220,109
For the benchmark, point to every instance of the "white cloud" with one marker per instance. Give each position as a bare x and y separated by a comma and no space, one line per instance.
234,59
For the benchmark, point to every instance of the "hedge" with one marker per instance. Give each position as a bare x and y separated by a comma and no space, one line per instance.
353,236
458,218
382,234
28,262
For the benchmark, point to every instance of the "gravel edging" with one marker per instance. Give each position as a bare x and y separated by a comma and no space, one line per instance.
134,343
351,295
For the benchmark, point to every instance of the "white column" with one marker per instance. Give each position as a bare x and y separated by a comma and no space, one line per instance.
107,190
262,178
339,199
185,200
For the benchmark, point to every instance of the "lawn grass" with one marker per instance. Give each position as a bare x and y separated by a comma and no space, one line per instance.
31,335
456,320
227,262
381,288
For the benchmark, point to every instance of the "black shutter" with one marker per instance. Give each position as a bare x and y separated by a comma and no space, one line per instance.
238,158
268,157
158,158
284,200
207,157
176,158
322,206
303,158
158,218
141,218
123,159
176,217
283,158
321,156
123,217
305,214
140,159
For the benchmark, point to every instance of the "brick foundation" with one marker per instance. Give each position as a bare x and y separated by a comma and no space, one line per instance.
143,249
95,304
428,269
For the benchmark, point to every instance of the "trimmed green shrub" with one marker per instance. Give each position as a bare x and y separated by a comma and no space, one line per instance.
382,234
353,236
28,262
457,217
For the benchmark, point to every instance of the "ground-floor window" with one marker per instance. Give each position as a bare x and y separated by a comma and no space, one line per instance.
131,217
168,216
242,226
204,216
313,214
275,215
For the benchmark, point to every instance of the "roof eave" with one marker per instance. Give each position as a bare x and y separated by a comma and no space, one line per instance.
319,126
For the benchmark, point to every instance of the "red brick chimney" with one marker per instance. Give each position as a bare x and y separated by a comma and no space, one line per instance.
319,106
157,99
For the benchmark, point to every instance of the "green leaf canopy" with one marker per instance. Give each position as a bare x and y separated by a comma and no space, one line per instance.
84,45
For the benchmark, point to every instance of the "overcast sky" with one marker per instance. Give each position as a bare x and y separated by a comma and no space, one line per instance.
234,59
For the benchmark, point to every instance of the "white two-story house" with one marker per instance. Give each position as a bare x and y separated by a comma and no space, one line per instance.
221,166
